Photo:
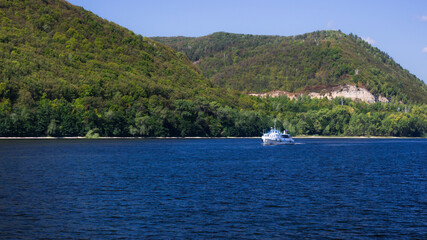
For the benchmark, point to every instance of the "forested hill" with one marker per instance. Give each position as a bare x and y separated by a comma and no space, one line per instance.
52,49
256,63
66,72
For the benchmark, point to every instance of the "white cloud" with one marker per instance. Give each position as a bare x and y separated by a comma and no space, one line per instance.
423,18
425,50
369,40
330,25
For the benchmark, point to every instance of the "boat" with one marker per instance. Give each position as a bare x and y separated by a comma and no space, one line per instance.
276,137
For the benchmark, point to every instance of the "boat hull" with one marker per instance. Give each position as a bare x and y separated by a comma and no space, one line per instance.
274,142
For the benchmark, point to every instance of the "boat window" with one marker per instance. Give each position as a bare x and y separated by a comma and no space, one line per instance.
285,136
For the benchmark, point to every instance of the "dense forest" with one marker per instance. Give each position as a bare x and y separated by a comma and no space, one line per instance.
156,116
66,72
256,63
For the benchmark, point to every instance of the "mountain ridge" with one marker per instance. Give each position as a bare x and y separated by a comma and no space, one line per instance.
66,72
260,63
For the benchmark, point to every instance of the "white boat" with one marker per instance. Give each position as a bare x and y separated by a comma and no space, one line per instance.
276,137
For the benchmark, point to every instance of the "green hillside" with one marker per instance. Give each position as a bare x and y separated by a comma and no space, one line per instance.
66,72
55,50
256,63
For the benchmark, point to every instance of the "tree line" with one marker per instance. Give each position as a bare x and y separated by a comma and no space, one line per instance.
160,117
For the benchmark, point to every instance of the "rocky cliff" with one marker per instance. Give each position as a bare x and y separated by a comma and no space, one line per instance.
344,91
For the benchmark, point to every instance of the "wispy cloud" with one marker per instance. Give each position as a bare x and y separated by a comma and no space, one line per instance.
330,25
369,40
423,18
425,50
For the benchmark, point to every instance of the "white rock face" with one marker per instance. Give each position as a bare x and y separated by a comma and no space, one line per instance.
276,93
345,91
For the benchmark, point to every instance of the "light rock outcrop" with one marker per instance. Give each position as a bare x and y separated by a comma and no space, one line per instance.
344,91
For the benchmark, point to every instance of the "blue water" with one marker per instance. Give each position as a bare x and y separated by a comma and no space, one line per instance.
213,188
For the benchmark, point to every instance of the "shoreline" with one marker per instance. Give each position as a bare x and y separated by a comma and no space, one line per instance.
146,138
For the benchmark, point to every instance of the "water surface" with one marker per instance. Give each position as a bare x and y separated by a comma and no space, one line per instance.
213,188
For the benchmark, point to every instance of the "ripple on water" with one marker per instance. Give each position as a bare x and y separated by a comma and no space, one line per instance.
213,188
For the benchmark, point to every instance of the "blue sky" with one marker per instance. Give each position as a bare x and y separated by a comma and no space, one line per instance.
398,28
